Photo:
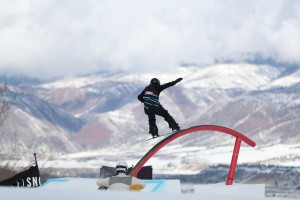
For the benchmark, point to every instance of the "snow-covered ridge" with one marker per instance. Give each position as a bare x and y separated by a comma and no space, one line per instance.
223,76
232,76
286,81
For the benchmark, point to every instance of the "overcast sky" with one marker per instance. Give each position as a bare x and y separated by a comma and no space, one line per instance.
65,37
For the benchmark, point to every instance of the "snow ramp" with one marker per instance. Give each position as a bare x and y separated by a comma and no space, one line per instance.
84,188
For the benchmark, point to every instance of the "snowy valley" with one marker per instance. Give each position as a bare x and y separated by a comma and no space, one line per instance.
83,122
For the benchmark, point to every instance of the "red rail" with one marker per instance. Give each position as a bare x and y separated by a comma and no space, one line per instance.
239,137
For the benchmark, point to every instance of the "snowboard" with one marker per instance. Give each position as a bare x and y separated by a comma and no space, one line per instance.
163,135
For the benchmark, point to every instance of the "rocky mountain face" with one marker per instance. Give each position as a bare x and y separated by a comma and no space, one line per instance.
74,114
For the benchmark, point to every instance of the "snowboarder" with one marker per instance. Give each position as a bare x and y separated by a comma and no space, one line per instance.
121,181
152,107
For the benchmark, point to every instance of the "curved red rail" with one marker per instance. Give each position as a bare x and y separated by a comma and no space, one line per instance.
239,137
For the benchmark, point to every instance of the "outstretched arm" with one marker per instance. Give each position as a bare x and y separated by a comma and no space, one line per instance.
166,85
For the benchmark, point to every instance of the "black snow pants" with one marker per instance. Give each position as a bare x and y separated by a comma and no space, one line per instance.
158,110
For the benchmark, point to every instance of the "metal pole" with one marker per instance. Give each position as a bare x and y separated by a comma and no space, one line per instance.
234,159
36,164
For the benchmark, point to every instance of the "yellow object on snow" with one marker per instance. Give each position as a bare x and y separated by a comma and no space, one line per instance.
136,187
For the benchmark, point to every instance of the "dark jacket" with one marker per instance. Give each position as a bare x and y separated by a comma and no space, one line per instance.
150,95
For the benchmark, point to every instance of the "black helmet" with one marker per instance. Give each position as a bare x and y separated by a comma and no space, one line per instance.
155,82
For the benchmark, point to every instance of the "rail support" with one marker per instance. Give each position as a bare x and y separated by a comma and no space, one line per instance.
234,159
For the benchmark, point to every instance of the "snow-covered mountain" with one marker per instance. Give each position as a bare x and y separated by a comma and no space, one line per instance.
101,112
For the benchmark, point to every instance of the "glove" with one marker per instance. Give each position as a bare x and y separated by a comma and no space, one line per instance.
178,80
141,99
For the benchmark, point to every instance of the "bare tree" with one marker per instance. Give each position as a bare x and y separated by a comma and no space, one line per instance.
7,152
4,105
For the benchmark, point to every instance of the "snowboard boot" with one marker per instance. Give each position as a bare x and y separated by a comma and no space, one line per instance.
154,131
175,127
